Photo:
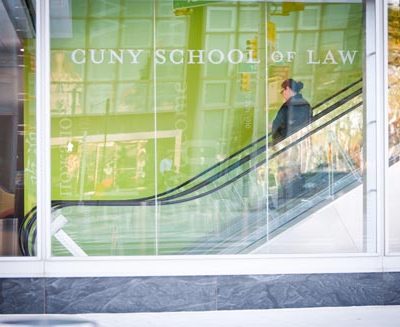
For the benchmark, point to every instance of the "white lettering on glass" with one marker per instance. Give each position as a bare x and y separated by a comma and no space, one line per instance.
119,57
239,56
290,56
213,56
277,56
135,55
199,56
172,56
75,59
252,58
159,56
329,57
347,56
310,58
93,56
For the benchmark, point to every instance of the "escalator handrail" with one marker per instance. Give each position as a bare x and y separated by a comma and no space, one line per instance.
348,87
317,129
320,114
273,155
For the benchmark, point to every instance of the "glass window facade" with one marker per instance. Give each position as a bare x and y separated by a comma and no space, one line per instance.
393,123
17,123
210,128
197,128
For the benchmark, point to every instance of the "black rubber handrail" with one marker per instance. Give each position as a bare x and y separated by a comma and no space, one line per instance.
348,87
263,161
317,129
315,117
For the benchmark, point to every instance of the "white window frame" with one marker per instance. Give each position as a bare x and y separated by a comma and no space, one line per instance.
44,265
390,256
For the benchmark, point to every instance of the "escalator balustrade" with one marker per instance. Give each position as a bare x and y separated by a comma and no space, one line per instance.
298,188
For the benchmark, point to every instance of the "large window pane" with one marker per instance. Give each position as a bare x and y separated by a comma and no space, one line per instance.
102,138
197,213
316,164
17,122
394,124
162,113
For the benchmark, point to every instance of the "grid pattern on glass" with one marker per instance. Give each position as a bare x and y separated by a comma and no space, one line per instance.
106,32
218,228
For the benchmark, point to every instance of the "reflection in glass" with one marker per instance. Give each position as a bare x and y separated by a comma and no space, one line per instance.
314,172
174,155
17,122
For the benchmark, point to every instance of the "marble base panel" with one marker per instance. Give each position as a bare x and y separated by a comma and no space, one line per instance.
195,293
136,294
22,295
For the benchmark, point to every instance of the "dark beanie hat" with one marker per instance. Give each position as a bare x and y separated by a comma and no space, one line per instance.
292,84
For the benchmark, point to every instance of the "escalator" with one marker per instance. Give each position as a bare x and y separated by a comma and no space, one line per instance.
303,193
230,183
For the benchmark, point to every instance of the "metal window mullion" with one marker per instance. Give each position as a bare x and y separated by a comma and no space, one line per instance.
157,206
370,129
43,129
383,227
381,135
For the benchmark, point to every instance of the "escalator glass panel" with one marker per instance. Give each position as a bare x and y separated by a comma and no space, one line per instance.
318,48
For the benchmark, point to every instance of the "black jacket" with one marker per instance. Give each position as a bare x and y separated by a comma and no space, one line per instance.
294,114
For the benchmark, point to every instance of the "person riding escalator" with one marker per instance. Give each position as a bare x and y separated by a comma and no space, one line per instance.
294,114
